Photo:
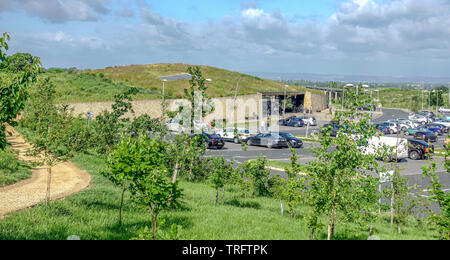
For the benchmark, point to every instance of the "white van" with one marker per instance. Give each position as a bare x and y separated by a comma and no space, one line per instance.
399,146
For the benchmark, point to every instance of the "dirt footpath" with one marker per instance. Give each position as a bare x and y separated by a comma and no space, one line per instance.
66,179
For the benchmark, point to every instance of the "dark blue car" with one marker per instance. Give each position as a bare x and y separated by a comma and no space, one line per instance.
296,122
433,128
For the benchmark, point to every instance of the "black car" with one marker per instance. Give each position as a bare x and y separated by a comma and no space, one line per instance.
418,150
270,140
334,129
425,136
292,140
211,140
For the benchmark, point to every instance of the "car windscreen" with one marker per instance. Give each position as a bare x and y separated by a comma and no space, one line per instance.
286,135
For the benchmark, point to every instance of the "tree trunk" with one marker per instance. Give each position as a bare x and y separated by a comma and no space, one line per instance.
331,219
392,205
311,235
121,202
332,224
399,230
49,180
217,195
371,229
178,165
223,192
190,168
291,213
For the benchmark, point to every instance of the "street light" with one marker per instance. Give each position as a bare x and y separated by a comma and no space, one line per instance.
284,103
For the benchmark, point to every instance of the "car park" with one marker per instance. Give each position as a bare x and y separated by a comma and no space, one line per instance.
292,141
418,150
228,134
270,140
426,136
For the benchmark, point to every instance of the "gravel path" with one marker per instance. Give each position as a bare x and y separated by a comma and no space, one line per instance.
66,179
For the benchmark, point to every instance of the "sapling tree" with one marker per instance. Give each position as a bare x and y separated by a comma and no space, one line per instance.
150,185
220,172
342,170
110,124
255,171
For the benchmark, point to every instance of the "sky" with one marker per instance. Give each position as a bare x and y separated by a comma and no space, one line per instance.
352,37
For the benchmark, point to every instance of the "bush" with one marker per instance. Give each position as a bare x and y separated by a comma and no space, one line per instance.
12,169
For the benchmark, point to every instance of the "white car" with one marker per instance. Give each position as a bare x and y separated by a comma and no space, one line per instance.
443,122
419,118
308,120
402,124
444,110
228,134
398,147
175,126
393,127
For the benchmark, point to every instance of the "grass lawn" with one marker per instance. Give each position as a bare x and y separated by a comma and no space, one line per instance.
93,214
12,169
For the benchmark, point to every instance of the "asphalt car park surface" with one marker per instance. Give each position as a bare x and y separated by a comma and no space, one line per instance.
412,169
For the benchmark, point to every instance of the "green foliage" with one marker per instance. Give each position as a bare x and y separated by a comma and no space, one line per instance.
12,169
111,124
142,163
13,88
258,176
220,172
442,198
146,125
338,180
17,63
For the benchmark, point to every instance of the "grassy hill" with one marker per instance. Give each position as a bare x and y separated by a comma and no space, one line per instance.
103,84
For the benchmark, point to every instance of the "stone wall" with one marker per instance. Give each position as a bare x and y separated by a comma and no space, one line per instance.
248,106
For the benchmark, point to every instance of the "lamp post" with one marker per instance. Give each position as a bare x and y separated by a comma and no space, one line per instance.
284,103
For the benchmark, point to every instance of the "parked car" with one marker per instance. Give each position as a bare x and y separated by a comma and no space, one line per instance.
295,121
444,110
427,114
334,129
270,140
426,136
285,120
393,127
228,134
437,130
384,129
418,150
292,140
211,140
443,121
175,126
443,128
308,120
420,118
